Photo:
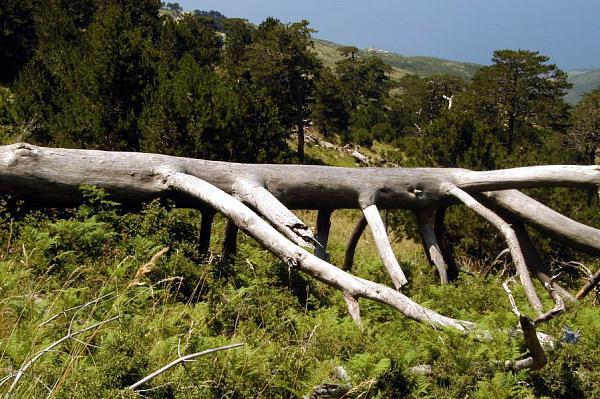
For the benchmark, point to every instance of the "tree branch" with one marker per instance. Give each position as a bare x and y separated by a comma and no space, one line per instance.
179,360
426,222
297,257
530,177
589,286
257,197
384,247
49,348
537,360
511,240
547,220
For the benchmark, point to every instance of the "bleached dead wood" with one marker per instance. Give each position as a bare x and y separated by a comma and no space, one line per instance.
272,190
426,222
383,246
180,360
254,194
68,336
589,286
296,257
511,240
356,154
537,357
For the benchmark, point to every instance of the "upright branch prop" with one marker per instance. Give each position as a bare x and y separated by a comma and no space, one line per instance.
258,200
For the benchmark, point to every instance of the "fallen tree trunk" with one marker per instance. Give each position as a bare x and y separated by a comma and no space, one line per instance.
257,199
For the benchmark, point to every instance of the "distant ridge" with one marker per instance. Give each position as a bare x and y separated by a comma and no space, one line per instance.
583,80
401,64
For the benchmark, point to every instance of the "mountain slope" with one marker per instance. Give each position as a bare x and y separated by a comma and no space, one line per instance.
583,81
402,65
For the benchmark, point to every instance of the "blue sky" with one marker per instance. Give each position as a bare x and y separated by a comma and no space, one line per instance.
461,30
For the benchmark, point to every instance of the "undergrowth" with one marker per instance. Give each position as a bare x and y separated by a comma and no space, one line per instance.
295,331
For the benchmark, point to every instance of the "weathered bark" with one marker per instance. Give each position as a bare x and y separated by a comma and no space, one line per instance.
537,357
296,257
384,247
258,197
589,286
534,261
426,222
272,190
548,221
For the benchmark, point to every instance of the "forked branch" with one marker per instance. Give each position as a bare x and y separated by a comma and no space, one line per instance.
511,240
257,197
426,222
537,357
70,335
296,257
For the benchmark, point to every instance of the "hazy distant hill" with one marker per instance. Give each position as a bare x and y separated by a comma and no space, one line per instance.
401,64
583,81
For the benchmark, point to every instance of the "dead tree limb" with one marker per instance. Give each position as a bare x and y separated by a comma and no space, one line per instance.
537,357
511,240
254,194
547,220
534,261
589,286
447,250
181,359
296,257
70,335
383,246
273,190
426,222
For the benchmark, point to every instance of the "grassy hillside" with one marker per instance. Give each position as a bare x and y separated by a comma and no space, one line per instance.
583,81
401,64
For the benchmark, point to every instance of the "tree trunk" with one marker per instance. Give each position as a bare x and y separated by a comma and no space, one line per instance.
205,231
511,134
300,120
251,196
